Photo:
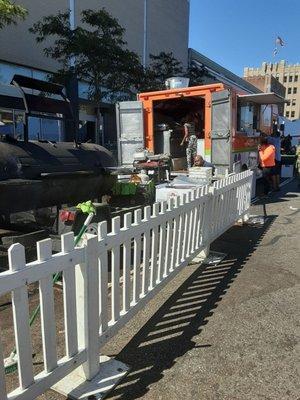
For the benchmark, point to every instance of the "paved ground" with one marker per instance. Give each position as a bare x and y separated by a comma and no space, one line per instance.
226,332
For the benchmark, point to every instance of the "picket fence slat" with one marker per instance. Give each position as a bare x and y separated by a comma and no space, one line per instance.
146,253
169,239
180,232
154,247
91,306
69,298
126,265
103,279
175,236
16,257
162,244
44,252
115,273
190,225
137,259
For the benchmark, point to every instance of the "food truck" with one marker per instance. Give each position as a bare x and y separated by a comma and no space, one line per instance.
229,122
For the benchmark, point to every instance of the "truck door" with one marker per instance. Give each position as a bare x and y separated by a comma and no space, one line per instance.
130,130
221,131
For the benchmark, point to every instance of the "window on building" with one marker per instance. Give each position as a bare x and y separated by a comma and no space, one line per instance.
277,77
293,102
7,123
294,90
19,125
45,129
296,78
287,114
7,71
291,78
284,78
289,90
292,114
12,123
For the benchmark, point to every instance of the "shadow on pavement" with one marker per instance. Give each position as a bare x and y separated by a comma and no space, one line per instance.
284,195
169,333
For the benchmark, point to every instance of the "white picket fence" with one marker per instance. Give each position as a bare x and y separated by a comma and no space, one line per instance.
109,280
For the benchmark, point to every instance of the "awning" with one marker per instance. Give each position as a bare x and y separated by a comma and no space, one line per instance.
42,103
37,84
263,98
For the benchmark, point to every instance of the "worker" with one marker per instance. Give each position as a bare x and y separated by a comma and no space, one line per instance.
191,139
267,162
200,162
274,139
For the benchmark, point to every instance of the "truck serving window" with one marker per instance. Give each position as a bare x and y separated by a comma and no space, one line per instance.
247,117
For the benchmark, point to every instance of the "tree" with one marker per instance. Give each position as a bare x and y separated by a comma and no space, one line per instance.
196,75
98,50
10,13
162,66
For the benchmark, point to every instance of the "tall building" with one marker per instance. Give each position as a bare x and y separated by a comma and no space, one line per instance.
267,84
289,76
151,26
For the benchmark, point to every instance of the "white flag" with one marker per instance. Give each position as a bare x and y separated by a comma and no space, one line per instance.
279,41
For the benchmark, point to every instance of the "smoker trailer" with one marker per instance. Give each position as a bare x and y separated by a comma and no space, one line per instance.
36,175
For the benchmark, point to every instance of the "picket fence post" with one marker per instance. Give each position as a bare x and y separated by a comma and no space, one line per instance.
87,302
206,226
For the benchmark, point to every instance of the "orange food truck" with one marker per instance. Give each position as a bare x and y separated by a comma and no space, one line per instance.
229,123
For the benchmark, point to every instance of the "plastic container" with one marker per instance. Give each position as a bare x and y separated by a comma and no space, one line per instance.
177,82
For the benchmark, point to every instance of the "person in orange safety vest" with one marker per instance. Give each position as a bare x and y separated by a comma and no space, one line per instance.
267,162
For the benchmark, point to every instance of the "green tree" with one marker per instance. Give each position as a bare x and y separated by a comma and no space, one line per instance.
196,75
98,50
164,66
10,13
161,67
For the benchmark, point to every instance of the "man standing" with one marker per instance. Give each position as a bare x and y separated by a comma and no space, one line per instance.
267,162
276,142
191,139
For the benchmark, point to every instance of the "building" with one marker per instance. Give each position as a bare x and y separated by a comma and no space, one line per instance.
151,26
289,76
214,72
267,84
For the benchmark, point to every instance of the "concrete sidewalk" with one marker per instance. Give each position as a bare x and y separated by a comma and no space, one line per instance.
224,332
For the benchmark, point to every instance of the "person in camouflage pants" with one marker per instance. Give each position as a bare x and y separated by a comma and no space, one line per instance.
191,139
191,150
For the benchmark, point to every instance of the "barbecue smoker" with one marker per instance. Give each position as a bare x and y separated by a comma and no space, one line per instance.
38,178
35,175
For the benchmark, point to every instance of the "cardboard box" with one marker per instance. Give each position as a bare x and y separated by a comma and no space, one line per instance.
164,192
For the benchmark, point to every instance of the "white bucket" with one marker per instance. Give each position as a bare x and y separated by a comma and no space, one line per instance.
177,82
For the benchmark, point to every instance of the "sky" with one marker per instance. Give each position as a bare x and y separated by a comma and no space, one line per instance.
240,33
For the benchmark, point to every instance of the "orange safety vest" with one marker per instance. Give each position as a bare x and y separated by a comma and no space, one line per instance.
267,156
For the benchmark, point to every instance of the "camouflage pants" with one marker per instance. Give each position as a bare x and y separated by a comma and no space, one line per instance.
191,150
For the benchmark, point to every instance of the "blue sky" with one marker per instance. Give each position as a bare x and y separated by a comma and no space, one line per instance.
238,33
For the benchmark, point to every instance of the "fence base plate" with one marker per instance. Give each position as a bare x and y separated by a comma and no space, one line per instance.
75,387
214,258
